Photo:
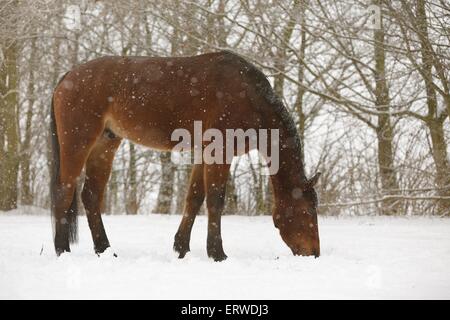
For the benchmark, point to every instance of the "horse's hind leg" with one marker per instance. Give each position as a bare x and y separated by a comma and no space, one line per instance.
98,169
73,154
193,203
64,197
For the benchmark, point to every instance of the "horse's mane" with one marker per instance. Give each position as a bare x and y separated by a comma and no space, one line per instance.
265,90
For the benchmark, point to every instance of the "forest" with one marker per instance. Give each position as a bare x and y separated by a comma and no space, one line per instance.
367,83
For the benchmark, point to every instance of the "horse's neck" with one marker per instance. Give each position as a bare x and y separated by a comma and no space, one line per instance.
290,175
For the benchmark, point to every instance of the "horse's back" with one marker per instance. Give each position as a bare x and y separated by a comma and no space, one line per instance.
145,98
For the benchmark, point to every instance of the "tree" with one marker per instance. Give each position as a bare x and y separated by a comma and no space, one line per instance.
26,150
383,128
9,135
415,26
132,204
165,194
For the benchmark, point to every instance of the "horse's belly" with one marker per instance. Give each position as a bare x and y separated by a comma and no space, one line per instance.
153,130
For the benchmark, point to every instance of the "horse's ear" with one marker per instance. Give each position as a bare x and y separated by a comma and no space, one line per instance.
313,181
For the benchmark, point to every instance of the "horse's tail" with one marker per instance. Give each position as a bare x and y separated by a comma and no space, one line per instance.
72,212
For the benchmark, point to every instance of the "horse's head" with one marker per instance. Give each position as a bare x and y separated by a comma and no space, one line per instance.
296,218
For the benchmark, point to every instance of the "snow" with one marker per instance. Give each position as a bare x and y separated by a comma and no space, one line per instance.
362,257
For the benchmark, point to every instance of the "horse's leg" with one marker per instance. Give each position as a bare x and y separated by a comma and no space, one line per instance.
192,205
215,177
98,169
72,160
63,202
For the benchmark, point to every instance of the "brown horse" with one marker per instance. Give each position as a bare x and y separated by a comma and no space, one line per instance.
144,99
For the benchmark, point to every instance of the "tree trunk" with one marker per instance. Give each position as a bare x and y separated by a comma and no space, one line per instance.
221,35
384,130
112,191
261,205
132,205
182,186
434,122
25,154
9,158
301,76
268,190
231,197
440,158
281,55
164,200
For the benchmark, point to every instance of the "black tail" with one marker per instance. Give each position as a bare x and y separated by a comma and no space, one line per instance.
72,213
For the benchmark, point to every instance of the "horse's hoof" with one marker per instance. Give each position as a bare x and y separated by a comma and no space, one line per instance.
181,246
181,250
59,251
108,252
101,248
215,250
218,257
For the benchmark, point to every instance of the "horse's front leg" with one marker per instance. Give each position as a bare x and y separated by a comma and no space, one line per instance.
216,176
194,200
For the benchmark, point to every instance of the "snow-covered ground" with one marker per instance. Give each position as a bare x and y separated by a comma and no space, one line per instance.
381,258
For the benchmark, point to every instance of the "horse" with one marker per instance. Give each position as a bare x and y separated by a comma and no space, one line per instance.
144,99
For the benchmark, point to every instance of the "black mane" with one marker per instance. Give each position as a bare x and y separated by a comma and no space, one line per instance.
265,90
